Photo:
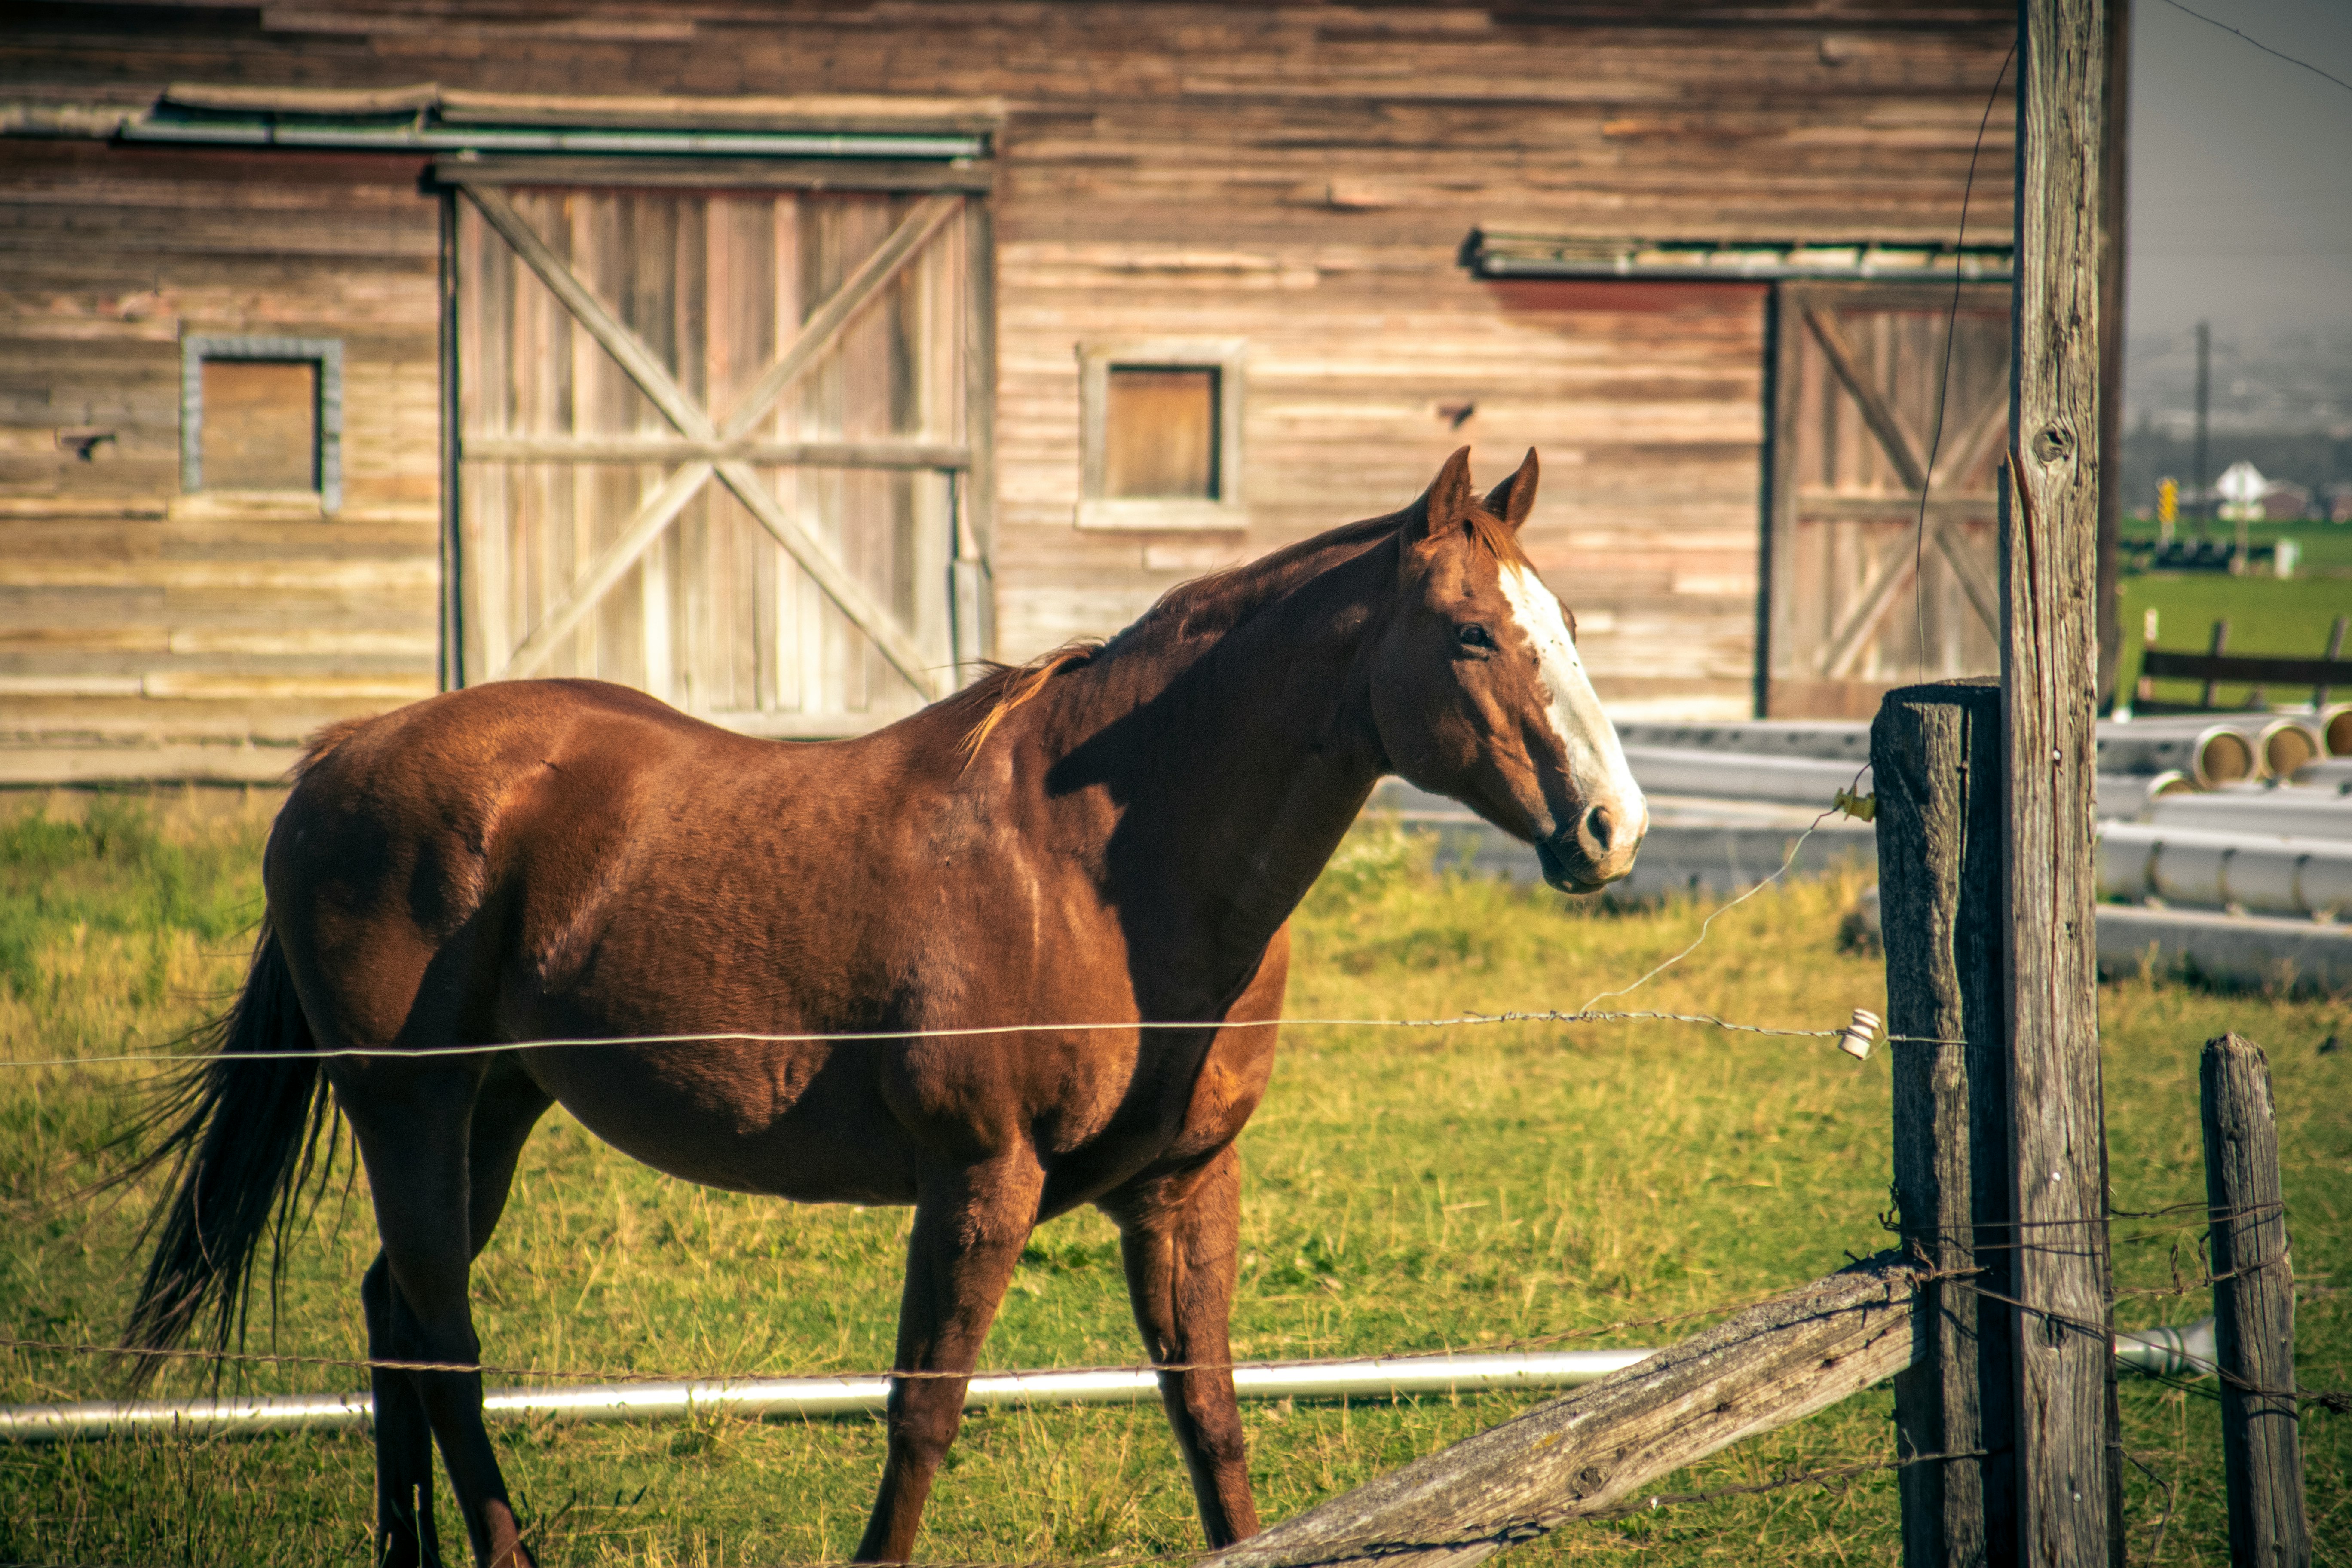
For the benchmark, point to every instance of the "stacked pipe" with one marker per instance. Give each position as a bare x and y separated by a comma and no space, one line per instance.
1807,762
2226,839
2235,871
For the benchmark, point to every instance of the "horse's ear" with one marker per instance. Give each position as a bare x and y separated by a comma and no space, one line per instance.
1515,497
1444,504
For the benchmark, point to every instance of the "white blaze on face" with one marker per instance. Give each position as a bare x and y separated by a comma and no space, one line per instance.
1595,760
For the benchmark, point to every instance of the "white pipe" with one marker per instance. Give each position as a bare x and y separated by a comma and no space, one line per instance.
2125,797
2225,870
2212,754
2192,1351
1381,1378
1387,1377
2334,723
1808,781
2286,744
2292,953
2334,776
1830,740
2271,813
1746,776
2209,749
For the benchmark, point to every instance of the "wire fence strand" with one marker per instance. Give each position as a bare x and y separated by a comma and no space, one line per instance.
907,1037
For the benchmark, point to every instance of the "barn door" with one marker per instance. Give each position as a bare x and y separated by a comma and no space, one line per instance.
709,445
1863,596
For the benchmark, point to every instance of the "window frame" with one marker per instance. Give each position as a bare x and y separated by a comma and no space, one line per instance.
327,354
1225,511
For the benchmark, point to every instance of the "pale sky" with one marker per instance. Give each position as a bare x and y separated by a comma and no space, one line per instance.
2241,176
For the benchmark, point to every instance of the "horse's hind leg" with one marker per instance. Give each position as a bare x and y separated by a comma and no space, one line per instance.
970,1226
440,1146
1178,1235
404,1532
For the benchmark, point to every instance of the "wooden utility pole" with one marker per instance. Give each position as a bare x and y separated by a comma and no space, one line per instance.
2253,1308
2112,216
2061,1337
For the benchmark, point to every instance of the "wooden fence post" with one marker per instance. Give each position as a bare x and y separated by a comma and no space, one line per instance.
2061,1337
1935,758
2253,1306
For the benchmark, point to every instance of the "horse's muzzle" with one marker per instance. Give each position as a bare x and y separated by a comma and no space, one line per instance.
1599,851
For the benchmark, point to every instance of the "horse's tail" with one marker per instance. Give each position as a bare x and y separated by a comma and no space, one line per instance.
241,1133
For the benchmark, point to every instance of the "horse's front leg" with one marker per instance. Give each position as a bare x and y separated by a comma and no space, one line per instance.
970,1224
1179,1236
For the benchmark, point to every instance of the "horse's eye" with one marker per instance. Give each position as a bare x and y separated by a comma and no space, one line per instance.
1476,635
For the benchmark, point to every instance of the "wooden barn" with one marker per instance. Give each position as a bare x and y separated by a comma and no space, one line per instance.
786,359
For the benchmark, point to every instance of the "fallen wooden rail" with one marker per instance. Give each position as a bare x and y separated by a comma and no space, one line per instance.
1592,1451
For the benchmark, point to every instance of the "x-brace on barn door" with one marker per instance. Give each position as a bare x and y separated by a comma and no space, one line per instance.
1865,596
721,445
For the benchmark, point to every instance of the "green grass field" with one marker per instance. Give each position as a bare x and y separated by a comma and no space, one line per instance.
2266,616
2326,548
1403,1191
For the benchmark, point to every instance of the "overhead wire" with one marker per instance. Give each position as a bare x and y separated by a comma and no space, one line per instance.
1943,377
2257,42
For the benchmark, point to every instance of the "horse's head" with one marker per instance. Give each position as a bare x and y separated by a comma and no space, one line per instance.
1479,694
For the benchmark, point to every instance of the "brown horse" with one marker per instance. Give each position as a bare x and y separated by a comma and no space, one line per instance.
1115,834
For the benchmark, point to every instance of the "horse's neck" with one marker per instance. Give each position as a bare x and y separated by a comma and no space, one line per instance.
1238,766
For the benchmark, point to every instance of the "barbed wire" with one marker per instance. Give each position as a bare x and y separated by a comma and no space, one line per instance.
2335,1401
915,1036
1972,1235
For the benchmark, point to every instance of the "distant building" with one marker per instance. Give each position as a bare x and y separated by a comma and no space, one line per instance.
2283,500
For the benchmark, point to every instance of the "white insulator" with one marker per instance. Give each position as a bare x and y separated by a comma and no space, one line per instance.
1855,1038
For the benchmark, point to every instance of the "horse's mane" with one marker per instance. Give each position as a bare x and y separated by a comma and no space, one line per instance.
1207,607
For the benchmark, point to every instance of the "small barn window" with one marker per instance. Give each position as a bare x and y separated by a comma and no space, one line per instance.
262,415
1161,436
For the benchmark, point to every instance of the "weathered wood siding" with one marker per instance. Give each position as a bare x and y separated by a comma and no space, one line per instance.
1298,178
132,613
1645,401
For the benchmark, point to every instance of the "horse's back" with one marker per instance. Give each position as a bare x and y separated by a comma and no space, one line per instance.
570,860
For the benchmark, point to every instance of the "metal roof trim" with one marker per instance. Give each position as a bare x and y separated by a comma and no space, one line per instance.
425,117
366,137
877,112
1508,254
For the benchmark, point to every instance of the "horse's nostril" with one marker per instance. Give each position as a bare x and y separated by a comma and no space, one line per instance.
1601,828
